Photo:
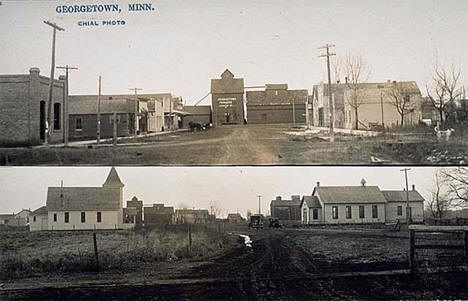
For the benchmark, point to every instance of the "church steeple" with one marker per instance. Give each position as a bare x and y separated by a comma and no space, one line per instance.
113,180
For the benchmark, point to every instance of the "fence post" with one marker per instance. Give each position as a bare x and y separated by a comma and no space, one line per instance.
411,255
189,237
96,251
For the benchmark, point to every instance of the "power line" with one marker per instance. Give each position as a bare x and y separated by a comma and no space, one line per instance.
202,98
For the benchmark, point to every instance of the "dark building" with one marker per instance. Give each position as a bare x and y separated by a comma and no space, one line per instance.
197,114
158,214
137,206
286,210
227,99
24,105
276,104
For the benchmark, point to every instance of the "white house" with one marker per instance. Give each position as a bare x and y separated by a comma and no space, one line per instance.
83,208
359,205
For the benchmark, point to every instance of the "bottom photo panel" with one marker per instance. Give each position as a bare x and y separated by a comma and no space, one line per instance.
236,233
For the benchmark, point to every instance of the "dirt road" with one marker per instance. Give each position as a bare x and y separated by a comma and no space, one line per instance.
277,266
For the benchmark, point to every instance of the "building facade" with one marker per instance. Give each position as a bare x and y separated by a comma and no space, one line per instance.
360,205
158,215
276,104
193,216
197,114
227,99
286,210
24,105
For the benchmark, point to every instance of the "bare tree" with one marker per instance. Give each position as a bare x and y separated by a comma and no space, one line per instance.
400,97
248,214
444,90
215,209
440,201
458,185
356,72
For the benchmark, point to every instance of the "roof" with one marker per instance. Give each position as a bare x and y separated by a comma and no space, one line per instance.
312,201
40,211
198,110
87,104
82,199
281,203
400,196
234,215
227,84
276,86
113,179
349,194
7,215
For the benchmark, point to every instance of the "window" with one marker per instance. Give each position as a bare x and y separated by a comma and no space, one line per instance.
67,217
361,212
83,217
78,124
99,217
57,111
34,219
335,212
55,217
348,212
375,211
399,210
315,213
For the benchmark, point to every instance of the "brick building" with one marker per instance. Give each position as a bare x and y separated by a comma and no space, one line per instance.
276,104
286,210
158,214
136,205
193,216
23,108
227,99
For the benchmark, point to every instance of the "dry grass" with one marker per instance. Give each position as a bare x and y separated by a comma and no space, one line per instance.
25,254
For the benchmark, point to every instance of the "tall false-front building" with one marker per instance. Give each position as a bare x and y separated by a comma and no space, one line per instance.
227,99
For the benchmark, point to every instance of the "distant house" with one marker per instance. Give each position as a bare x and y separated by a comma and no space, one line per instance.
137,205
197,114
286,210
158,214
84,208
235,218
39,219
7,219
359,204
19,219
193,216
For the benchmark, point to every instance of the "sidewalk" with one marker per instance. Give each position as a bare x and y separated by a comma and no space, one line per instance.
108,141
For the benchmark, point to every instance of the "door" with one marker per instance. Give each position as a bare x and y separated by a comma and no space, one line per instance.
42,120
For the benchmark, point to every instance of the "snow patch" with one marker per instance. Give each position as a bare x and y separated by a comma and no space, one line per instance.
247,240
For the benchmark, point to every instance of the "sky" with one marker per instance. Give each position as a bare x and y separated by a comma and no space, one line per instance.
180,45
230,189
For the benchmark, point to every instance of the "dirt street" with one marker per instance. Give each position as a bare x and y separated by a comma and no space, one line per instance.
289,264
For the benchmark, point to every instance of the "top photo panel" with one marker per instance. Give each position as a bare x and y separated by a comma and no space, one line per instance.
167,82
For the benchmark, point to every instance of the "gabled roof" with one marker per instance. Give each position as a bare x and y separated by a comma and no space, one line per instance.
400,196
227,74
312,201
113,179
40,211
349,194
227,84
82,199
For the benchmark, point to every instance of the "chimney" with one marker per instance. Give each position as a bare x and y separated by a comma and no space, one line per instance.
278,198
318,184
34,71
413,187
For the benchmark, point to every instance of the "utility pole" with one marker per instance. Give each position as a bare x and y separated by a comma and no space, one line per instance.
381,108
259,204
98,134
65,106
294,112
408,209
136,108
332,113
51,80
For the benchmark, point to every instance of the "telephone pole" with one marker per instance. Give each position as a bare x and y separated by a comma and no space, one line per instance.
98,134
408,209
330,107
136,109
51,80
259,204
65,105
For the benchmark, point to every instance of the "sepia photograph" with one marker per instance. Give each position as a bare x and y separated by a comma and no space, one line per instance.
235,233
233,82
